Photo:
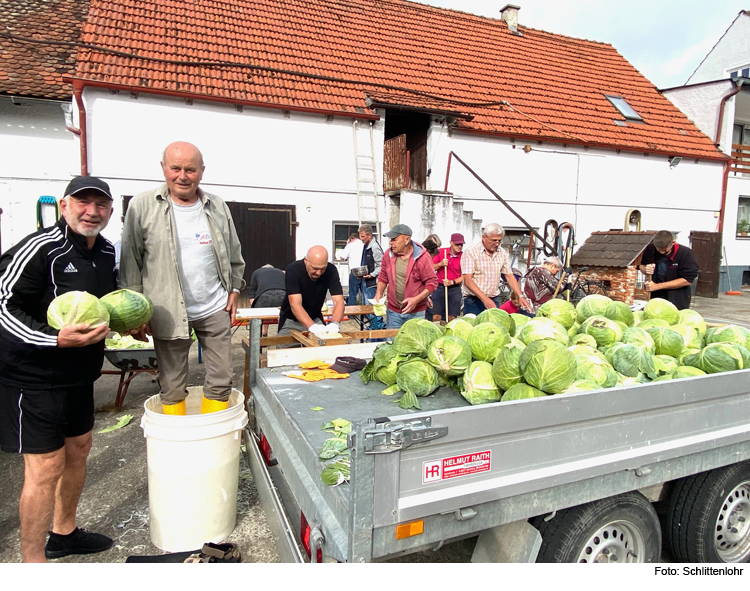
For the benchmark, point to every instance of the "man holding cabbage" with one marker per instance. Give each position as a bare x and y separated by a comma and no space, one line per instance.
672,267
47,375
180,248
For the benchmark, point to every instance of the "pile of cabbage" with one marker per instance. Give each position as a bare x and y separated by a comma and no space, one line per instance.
599,343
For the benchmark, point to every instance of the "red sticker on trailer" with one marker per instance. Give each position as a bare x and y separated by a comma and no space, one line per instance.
445,468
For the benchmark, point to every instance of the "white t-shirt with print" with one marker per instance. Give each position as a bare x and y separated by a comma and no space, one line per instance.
201,286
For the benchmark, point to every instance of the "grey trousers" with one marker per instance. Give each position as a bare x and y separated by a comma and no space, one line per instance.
214,335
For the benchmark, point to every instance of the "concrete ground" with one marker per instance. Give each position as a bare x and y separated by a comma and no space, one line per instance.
115,498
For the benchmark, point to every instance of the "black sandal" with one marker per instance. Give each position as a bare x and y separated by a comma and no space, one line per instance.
211,552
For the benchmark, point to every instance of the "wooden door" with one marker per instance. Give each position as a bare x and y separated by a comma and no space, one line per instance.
706,247
268,234
395,164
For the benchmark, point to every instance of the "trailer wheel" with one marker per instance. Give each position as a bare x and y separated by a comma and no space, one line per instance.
709,516
619,529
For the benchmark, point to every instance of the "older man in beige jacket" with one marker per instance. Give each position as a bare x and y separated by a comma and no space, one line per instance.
180,248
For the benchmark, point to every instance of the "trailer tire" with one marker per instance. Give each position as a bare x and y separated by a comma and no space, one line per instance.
620,529
701,506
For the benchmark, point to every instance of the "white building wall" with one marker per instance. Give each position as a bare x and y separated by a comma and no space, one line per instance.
38,156
255,156
592,189
702,104
731,51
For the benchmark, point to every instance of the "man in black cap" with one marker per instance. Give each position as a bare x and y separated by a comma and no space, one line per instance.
47,375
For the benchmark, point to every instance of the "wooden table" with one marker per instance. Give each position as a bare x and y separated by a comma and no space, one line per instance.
126,376
271,315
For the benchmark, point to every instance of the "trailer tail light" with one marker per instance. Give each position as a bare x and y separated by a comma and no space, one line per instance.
407,530
305,532
265,450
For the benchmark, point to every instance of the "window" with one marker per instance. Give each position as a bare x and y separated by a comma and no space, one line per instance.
743,216
624,108
342,230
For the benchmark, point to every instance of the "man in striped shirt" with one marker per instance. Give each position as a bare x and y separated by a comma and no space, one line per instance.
482,267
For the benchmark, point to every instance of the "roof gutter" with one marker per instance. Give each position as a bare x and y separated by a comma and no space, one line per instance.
217,99
717,142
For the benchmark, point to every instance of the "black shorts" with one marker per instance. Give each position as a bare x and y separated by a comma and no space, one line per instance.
38,421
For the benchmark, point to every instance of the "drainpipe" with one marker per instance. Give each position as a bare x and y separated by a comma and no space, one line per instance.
717,142
78,94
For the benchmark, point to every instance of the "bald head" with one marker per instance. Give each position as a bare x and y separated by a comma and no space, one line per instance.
182,164
316,262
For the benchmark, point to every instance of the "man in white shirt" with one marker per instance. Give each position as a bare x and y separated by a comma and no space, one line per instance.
352,254
181,249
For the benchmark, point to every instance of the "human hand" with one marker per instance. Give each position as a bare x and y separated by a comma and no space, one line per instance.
488,303
443,263
650,269
651,286
332,327
79,335
524,304
232,306
408,305
141,332
318,330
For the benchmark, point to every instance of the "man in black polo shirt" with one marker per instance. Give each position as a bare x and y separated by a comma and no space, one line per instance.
673,269
308,281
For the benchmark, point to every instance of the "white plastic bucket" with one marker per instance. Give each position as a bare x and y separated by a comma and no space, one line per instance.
193,471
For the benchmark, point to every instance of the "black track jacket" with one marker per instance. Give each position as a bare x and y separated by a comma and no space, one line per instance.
35,271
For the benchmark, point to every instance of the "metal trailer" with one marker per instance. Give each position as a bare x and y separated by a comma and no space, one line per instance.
565,478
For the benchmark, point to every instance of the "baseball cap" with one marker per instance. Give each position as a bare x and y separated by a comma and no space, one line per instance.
457,238
348,364
83,183
398,230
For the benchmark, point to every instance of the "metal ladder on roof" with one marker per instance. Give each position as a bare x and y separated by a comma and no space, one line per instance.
366,182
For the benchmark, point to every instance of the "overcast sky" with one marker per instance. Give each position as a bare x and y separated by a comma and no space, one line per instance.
664,39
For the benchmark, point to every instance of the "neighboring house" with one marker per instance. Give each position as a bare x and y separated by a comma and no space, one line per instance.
717,98
38,154
279,96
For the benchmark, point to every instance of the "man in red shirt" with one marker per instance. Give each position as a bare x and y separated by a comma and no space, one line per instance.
447,265
406,276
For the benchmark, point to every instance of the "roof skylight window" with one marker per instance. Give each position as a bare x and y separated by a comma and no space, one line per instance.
624,108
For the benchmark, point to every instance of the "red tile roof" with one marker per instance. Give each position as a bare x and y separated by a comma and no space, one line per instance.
330,55
37,69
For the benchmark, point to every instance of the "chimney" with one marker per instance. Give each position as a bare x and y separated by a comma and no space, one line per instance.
509,15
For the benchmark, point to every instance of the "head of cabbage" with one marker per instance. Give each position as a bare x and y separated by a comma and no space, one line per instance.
731,333
719,357
77,307
659,308
497,316
459,327
635,335
604,330
538,329
667,341
620,312
127,309
519,320
479,386
548,365
593,305
415,378
506,370
594,369
450,355
583,339
582,386
694,319
560,310
415,336
486,339
691,338
521,392
383,365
